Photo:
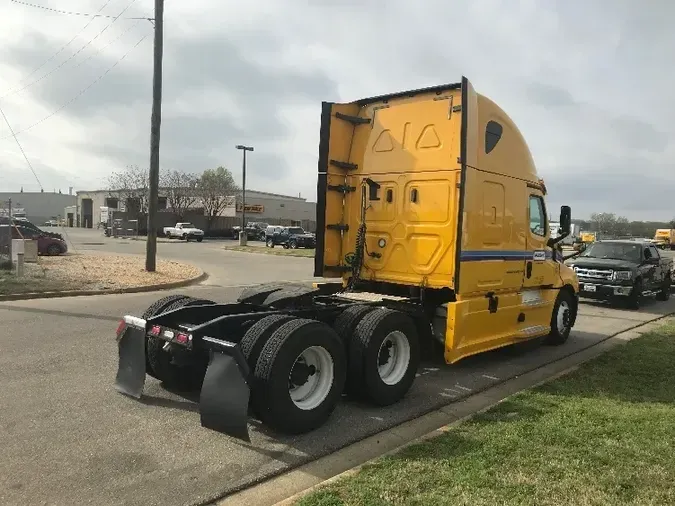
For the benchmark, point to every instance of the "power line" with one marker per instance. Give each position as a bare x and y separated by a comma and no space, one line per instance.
65,45
12,92
82,92
21,148
75,13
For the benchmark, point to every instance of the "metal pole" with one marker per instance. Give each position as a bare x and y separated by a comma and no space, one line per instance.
155,123
242,234
9,211
243,193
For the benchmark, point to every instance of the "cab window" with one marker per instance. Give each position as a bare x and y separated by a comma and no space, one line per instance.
537,216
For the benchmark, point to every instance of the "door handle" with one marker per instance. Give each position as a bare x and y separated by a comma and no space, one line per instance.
529,270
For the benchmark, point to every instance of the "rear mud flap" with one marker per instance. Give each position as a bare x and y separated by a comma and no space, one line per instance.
223,402
131,368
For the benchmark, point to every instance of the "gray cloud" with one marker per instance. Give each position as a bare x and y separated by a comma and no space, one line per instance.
587,84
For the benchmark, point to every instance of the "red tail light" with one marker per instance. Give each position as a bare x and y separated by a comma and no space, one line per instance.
155,330
121,326
182,338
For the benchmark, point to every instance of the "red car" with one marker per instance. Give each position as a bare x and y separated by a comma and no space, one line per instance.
46,245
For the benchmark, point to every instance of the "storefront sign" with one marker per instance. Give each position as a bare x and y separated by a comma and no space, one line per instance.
251,208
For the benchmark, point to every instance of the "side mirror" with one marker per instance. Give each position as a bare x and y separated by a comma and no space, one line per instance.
565,220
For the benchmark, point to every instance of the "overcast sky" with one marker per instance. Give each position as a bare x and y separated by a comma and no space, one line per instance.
587,82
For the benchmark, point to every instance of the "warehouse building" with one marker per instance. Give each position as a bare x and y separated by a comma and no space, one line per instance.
260,206
38,207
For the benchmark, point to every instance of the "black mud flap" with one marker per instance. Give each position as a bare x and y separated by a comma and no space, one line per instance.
224,398
131,368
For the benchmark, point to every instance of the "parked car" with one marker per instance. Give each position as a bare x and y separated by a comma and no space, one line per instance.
289,237
46,244
623,270
184,230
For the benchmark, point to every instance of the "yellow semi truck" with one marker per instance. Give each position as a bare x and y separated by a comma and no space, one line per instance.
431,218
665,238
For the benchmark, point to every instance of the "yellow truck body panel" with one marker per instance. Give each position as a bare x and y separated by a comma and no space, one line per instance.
665,236
444,189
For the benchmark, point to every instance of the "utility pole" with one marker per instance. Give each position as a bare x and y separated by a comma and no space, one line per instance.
155,123
242,235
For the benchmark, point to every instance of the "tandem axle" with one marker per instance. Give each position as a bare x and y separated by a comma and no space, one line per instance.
283,353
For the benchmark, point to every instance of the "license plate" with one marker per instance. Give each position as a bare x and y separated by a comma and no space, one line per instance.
589,288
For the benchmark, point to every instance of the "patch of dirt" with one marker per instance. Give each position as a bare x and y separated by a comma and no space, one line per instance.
80,271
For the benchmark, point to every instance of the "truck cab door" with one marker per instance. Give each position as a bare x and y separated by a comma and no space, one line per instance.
540,269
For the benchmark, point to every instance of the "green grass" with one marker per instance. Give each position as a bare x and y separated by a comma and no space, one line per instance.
602,435
278,250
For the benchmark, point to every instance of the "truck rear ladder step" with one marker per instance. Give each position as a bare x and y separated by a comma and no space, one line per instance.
341,188
344,165
354,120
339,268
338,226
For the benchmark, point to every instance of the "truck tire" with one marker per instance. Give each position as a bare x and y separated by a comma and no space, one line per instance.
200,239
270,243
345,324
258,334
156,308
561,319
664,294
161,361
384,355
299,376
634,300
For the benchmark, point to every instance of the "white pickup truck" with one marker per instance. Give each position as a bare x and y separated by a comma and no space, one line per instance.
185,231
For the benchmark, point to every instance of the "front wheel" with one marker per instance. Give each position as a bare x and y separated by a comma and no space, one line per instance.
293,244
635,298
561,319
270,243
200,239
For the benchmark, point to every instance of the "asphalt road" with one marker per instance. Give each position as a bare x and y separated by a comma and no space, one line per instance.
68,438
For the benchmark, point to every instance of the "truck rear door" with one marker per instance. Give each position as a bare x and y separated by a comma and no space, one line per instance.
394,160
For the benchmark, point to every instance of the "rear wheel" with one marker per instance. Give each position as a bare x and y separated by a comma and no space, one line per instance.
270,243
384,356
154,310
293,244
200,239
258,334
664,294
299,376
561,319
163,364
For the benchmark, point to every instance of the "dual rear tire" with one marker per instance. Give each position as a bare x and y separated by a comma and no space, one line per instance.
301,367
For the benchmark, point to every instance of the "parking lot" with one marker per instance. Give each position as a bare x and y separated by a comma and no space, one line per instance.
67,437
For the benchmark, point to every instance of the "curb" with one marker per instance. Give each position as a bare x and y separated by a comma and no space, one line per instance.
79,293
230,248
346,461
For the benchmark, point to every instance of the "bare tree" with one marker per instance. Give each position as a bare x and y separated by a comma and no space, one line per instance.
216,187
131,186
181,190
672,223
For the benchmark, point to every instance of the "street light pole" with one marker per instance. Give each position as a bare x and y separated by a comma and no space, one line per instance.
242,233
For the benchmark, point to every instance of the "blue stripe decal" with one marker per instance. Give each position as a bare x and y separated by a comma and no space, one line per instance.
512,255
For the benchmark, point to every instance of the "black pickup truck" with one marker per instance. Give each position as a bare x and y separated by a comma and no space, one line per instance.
623,270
